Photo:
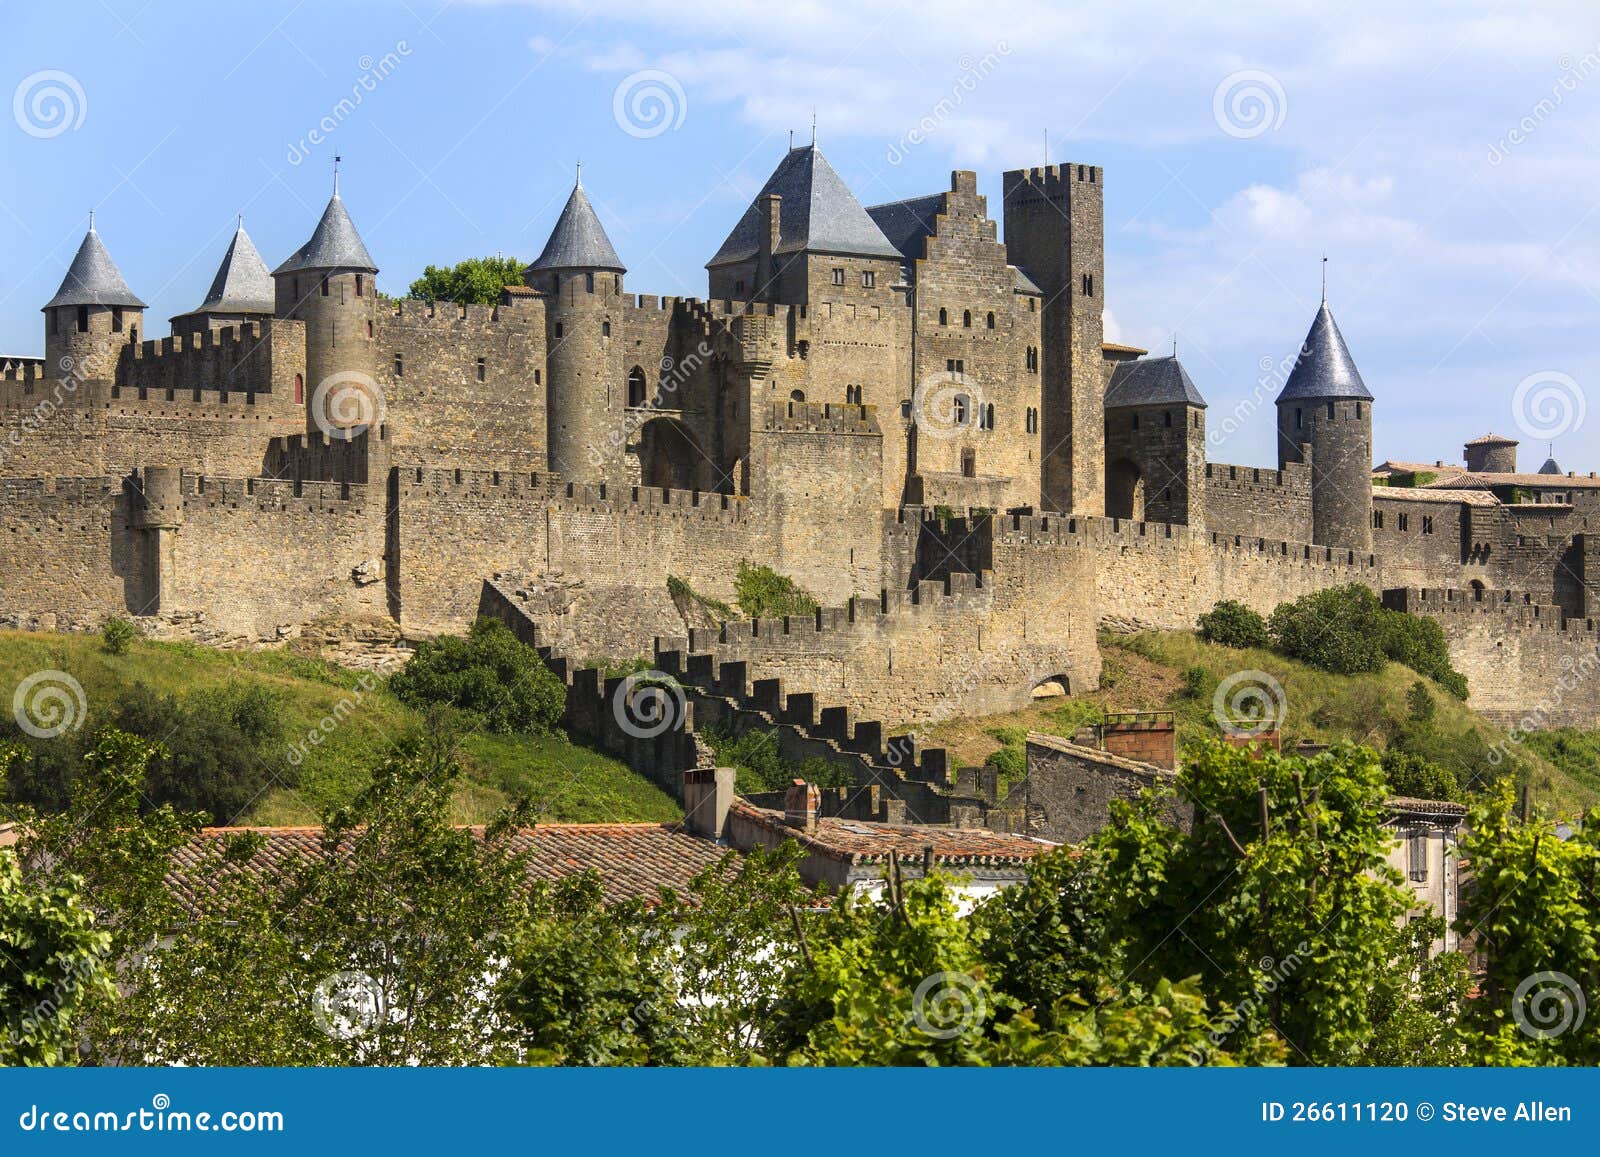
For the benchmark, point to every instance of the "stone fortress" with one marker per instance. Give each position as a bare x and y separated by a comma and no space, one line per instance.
918,421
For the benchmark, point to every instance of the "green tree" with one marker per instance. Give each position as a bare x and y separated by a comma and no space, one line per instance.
491,674
118,635
1233,624
1335,629
475,281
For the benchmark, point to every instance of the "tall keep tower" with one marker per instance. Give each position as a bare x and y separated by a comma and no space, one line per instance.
91,317
328,284
1055,233
580,275
1325,413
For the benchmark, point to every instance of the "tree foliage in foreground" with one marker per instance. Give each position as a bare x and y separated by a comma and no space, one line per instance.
475,281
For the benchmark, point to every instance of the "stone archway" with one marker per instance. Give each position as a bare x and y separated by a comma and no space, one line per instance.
1124,490
668,455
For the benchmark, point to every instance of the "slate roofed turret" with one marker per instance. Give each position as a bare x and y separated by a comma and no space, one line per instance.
93,278
818,214
242,283
1152,382
1551,467
1324,368
334,245
578,241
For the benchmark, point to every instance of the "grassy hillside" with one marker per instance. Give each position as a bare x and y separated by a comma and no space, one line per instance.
1146,672
565,780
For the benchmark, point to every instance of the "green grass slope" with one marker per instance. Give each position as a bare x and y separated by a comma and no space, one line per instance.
565,780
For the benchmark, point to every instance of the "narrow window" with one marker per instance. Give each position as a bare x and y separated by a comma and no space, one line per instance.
560,329
738,287
1427,524
944,317
1404,521
1299,419
116,319
991,319
966,319
636,387
324,287
55,321
1417,855
959,410
605,329
294,288
369,329
1166,419
1088,285
588,282
1136,421
1330,409
969,463
83,319
359,287
1377,520
988,415
299,389
399,365
483,368
868,279
838,277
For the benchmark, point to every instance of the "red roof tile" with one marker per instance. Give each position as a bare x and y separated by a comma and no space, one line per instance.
863,842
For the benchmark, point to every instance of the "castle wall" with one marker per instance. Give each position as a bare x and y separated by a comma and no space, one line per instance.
1247,500
1423,536
69,560
1527,666
1166,446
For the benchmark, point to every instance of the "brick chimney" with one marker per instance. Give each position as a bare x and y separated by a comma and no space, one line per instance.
707,795
800,805
1146,736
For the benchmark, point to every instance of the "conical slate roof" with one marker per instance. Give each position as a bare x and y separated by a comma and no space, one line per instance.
93,279
1152,382
818,214
1551,467
334,245
242,283
1324,368
579,241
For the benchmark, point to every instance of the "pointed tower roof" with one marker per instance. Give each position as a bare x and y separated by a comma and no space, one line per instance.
242,283
1324,368
93,278
1152,382
579,241
819,214
334,245
1551,467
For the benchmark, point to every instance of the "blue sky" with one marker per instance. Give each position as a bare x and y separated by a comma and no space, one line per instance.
1445,156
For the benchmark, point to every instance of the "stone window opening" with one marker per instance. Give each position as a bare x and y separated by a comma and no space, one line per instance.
1197,421
990,319
1088,285
605,329
852,395
738,287
83,319
966,319
1033,359
1377,520
797,396
956,366
399,365
588,282
944,317
959,408
636,387
1136,421
838,276
969,463
299,389
324,287
869,279
116,319
560,330
359,286
483,368
1330,409
905,408
1404,521
55,321
1166,419
1358,409
1427,524
1299,418
369,330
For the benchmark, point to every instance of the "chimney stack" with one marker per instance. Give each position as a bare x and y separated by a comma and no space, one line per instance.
771,230
707,795
800,805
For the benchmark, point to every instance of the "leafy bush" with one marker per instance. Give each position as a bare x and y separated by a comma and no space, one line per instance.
1419,644
118,635
1198,683
1074,715
1334,629
764,593
1233,624
754,755
1414,776
491,674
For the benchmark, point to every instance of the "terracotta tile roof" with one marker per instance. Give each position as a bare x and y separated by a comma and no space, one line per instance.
1118,348
1533,481
1406,803
1454,497
634,860
520,291
863,842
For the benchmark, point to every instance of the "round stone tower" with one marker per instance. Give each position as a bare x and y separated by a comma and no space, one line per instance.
587,393
328,284
1491,454
1325,413
92,316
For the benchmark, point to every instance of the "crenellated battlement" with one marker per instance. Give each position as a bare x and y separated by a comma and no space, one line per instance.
1522,609
1050,180
1295,476
821,418
283,495
412,312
